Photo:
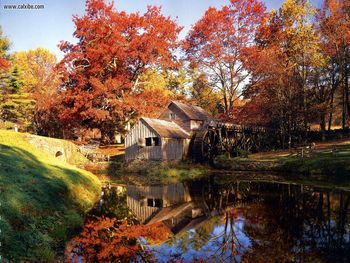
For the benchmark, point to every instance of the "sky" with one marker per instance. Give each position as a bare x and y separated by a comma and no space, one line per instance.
29,29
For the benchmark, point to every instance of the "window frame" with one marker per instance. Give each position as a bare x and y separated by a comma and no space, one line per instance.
154,202
152,141
148,141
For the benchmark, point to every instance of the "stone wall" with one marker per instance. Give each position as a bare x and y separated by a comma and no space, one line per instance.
61,149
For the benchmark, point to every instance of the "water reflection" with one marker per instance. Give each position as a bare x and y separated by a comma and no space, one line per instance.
148,202
219,219
232,221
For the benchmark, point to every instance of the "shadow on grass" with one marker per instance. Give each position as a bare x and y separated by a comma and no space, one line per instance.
39,208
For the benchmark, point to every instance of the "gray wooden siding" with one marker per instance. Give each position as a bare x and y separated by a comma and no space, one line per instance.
169,149
170,194
140,209
134,151
181,119
173,149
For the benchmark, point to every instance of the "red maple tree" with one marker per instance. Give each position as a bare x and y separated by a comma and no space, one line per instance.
216,43
113,49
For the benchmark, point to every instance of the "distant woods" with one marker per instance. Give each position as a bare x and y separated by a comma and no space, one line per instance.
286,69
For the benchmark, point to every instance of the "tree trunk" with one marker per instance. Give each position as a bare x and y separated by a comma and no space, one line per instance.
346,89
344,110
331,111
323,125
225,103
107,133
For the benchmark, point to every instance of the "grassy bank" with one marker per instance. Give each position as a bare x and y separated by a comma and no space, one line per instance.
153,172
331,159
322,162
42,200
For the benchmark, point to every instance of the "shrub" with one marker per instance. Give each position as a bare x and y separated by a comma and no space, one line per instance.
223,162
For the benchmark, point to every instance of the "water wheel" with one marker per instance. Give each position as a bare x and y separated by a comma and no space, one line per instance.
205,145
228,141
224,139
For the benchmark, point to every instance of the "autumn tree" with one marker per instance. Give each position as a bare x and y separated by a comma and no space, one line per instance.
36,69
334,24
39,84
103,68
47,112
177,82
4,47
155,89
4,67
324,83
303,52
29,81
282,65
202,94
29,89
216,42
14,107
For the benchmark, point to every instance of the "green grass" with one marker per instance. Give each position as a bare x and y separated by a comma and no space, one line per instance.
322,162
151,172
319,162
43,200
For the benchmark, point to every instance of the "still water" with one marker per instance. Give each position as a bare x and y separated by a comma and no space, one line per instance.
219,219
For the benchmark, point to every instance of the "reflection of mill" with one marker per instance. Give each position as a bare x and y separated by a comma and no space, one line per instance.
170,204
252,220
179,206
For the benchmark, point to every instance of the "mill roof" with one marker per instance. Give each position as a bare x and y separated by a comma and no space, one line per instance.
192,112
166,129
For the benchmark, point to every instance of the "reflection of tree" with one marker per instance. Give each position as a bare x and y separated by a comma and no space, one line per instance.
182,241
298,225
195,239
111,233
113,205
284,222
203,233
107,240
244,221
227,241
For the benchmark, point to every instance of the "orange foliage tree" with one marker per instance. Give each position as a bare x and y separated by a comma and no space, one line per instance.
334,25
282,64
103,68
216,42
40,85
4,47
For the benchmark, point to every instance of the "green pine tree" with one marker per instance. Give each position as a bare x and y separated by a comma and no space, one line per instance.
16,106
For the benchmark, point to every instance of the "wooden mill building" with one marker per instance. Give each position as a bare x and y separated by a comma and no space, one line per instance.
168,137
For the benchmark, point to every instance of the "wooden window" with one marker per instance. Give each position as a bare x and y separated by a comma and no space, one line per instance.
153,202
158,202
152,141
156,141
149,141
150,202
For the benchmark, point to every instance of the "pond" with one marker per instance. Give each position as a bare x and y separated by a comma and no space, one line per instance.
218,219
